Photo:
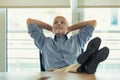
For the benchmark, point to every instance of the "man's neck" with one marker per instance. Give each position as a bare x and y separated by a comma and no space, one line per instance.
60,35
57,37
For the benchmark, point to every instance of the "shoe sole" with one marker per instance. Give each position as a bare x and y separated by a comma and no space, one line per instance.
100,56
94,43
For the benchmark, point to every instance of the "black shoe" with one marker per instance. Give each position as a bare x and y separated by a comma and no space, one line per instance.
92,62
92,47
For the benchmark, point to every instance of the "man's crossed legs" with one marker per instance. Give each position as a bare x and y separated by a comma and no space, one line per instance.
89,60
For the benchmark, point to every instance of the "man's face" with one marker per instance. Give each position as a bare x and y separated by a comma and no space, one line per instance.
60,25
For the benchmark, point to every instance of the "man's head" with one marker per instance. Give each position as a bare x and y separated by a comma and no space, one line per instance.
60,25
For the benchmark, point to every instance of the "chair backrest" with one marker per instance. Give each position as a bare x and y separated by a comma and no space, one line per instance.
41,64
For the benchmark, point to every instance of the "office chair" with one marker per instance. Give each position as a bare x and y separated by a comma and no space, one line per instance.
41,64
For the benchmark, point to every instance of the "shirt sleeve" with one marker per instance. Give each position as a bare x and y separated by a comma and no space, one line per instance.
84,35
37,34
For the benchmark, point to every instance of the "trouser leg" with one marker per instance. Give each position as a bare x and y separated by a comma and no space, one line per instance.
70,68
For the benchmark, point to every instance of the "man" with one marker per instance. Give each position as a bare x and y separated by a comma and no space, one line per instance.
61,54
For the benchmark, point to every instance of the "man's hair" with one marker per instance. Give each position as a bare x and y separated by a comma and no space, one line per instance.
61,17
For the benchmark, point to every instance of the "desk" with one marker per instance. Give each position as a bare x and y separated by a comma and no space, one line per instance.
112,75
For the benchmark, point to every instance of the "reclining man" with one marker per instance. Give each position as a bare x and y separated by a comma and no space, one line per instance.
62,54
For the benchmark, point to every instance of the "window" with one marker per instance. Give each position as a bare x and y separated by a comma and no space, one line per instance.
22,53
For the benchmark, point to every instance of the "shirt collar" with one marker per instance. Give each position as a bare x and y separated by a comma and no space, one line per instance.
63,38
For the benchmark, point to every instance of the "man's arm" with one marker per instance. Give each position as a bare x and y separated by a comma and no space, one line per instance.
40,23
82,24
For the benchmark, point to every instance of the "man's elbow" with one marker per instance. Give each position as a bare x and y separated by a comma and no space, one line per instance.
28,21
94,23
